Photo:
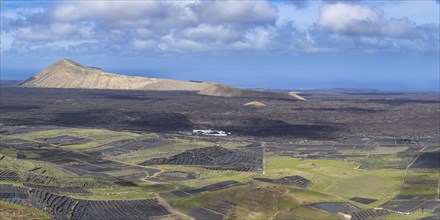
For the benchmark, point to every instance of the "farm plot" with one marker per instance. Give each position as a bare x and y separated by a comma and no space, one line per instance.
427,160
9,175
80,156
431,205
11,130
369,214
405,141
64,140
355,140
85,169
390,149
125,183
52,155
106,163
387,161
132,175
363,200
129,209
179,193
289,180
63,207
420,185
128,146
217,210
335,207
403,206
39,179
432,148
173,176
436,213
384,141
315,148
216,158
202,213
54,189
301,148
222,207
89,167
346,147
94,137
212,187
122,175
13,194
19,143
364,147
322,152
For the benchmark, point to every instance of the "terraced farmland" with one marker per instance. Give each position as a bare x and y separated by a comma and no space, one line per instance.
292,180
13,194
9,175
127,146
369,214
72,180
63,207
53,189
63,140
215,158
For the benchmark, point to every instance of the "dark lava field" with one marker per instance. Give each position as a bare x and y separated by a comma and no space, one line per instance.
327,114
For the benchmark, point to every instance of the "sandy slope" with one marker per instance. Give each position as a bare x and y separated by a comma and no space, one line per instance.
69,74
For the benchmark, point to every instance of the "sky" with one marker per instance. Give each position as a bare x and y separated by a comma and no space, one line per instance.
302,44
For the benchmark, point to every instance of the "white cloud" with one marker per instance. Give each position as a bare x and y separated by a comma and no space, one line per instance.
211,32
109,10
345,18
54,31
211,26
259,38
238,12
167,13
171,43
143,44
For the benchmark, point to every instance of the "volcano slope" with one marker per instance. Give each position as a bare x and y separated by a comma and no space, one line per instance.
70,74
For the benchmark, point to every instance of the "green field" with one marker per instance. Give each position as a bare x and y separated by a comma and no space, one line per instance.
10,211
335,180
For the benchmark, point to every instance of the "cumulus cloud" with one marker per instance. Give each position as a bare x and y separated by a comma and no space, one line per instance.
127,27
149,25
212,32
165,14
344,18
238,12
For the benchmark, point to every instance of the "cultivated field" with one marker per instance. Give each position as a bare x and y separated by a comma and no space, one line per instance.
89,154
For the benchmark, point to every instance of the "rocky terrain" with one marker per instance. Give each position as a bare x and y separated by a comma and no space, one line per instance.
325,115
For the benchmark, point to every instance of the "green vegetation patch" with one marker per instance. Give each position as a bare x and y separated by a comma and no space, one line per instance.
422,184
17,212
167,150
253,201
386,161
97,136
305,213
339,177
390,150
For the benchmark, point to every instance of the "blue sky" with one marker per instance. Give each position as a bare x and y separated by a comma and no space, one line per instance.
391,45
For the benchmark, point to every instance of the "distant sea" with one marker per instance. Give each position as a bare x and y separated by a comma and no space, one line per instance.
9,82
286,83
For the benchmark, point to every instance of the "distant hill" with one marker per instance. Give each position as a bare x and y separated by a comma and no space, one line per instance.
255,104
69,74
